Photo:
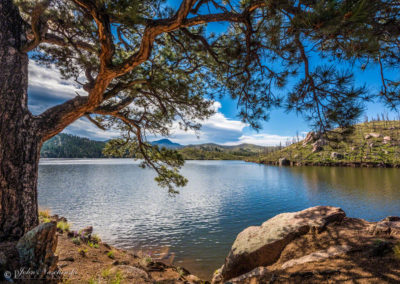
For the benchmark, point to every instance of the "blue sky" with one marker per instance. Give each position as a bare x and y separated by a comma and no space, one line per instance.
46,88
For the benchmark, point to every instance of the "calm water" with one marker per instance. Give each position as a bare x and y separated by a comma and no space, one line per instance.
127,209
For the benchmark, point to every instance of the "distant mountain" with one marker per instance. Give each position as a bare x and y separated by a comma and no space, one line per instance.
70,146
167,144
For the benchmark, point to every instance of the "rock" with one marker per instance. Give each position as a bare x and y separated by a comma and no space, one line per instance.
8,259
387,138
130,272
316,149
367,136
36,249
70,258
284,162
381,248
335,155
262,245
193,279
311,137
255,273
317,256
375,135
87,231
388,226
123,262
317,145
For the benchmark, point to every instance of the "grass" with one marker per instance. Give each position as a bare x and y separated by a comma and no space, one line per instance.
355,148
82,251
95,238
112,279
45,213
118,277
396,250
92,281
63,226
92,244
111,254
105,273
180,271
76,241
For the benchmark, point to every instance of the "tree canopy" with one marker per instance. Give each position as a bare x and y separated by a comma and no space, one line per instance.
145,67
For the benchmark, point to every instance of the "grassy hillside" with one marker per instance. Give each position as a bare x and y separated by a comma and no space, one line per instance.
375,143
70,146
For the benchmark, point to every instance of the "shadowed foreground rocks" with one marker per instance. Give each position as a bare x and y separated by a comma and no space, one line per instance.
314,245
32,257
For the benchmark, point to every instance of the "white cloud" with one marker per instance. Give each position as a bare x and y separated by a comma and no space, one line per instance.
48,81
46,89
84,128
217,129
262,139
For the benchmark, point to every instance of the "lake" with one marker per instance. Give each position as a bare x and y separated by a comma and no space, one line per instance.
198,226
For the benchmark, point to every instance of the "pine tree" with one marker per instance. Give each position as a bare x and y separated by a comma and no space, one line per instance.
145,67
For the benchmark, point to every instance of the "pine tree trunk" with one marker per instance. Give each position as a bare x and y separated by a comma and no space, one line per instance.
20,141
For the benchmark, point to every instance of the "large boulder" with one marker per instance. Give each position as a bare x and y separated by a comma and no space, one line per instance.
262,245
36,250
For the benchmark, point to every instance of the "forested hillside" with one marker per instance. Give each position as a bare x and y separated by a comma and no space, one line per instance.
70,146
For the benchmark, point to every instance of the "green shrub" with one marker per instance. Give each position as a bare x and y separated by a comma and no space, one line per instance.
95,238
110,254
63,226
117,278
76,241
46,220
44,213
93,245
396,250
105,273
92,281
83,251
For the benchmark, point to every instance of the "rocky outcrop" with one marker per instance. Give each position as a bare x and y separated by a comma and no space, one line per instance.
36,250
317,256
388,226
316,245
262,245
318,145
310,138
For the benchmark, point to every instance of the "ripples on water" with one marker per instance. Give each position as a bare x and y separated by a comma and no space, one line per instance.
124,205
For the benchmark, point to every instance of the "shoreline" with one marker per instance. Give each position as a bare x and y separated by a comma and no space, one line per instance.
328,164
84,257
